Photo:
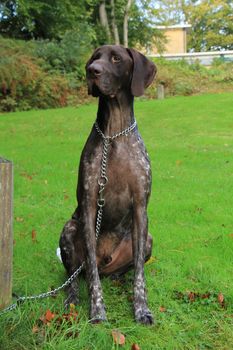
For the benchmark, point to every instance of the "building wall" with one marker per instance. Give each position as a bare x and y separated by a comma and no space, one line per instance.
176,41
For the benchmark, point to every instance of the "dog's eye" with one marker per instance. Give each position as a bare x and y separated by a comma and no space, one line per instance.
116,59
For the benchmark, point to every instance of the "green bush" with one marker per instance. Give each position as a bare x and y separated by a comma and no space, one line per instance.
24,85
49,74
69,55
182,78
42,74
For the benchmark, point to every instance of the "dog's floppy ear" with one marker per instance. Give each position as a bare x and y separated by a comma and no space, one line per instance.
89,84
143,72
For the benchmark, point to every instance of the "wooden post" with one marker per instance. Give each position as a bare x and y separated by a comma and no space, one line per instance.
160,91
6,231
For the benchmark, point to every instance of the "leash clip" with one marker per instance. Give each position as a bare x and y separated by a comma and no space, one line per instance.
101,200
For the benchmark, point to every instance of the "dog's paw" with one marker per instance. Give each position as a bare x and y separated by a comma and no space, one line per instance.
71,299
98,314
144,316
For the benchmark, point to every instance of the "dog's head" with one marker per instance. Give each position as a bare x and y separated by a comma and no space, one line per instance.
113,68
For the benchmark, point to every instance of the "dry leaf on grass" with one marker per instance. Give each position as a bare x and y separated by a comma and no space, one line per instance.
135,347
151,260
54,318
35,329
48,317
162,309
118,337
19,219
221,299
33,235
27,176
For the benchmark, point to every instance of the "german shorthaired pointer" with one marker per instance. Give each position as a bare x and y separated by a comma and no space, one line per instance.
115,75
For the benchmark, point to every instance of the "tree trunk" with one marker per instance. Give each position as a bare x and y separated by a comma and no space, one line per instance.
104,19
114,26
125,25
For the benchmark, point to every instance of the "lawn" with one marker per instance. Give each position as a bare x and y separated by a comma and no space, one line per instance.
189,279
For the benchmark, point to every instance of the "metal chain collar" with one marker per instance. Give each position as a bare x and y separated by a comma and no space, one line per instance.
102,181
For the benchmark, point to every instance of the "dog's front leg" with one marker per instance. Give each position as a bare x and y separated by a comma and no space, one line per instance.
140,231
97,307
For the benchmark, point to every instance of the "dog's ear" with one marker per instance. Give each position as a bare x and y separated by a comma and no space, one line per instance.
89,84
143,72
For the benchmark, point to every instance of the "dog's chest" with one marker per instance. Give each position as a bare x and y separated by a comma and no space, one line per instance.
127,170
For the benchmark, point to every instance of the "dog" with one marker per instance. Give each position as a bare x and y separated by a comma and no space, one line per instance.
115,75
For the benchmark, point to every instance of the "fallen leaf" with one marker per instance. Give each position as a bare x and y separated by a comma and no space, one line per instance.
35,329
221,299
118,337
206,295
178,162
162,309
48,317
18,219
151,260
72,307
72,316
135,347
27,176
33,235
191,296
66,197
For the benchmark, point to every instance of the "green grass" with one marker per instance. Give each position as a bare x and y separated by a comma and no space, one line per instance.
190,142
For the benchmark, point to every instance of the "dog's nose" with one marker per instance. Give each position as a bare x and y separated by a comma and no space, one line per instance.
95,69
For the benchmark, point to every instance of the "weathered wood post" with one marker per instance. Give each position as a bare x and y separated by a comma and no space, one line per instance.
6,231
160,91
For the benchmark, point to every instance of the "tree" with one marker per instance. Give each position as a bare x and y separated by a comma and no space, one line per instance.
114,21
128,22
211,20
167,12
104,19
114,25
40,19
108,13
212,24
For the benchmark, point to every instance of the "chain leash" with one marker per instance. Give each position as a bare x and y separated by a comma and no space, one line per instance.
102,181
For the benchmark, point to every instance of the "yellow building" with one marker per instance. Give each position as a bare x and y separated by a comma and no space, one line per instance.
176,36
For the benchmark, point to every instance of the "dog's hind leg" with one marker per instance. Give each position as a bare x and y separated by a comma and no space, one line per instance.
72,253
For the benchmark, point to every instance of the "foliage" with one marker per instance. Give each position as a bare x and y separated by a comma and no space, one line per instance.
43,19
42,74
142,31
212,25
211,21
47,19
190,143
69,54
181,78
46,74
